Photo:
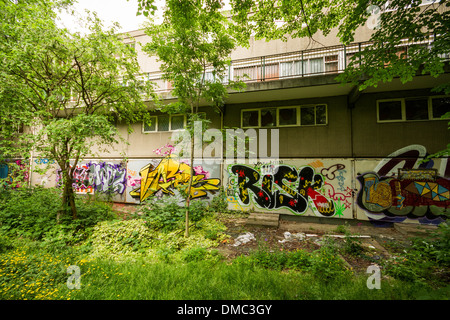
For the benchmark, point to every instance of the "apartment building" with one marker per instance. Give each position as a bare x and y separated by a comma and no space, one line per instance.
342,153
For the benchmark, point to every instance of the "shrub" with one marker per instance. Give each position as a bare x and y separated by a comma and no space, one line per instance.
168,214
426,261
31,213
121,238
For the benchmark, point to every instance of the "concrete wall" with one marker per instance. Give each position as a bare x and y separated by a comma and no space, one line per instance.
373,139
330,140
363,189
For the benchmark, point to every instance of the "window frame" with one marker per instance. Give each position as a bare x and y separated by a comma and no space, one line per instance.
170,123
259,117
298,116
403,108
315,114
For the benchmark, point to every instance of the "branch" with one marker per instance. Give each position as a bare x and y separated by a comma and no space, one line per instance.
83,91
307,26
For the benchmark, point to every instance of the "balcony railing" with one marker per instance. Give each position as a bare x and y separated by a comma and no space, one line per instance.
304,63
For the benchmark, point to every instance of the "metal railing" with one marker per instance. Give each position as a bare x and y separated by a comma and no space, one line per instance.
304,63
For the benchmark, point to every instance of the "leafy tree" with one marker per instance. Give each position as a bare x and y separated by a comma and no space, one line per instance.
68,88
192,42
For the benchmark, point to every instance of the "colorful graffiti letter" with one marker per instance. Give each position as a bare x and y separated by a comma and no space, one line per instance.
427,197
282,187
169,174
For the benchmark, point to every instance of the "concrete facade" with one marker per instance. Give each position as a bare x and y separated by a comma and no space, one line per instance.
337,159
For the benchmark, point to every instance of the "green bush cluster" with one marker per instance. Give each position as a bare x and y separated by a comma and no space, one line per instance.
168,214
424,260
120,238
31,213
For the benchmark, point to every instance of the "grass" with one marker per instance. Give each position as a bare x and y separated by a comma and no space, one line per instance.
30,273
130,260
203,281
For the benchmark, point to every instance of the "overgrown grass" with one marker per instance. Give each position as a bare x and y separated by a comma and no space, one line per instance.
202,280
29,272
148,258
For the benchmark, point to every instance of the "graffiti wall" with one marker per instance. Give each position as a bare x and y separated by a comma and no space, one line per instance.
397,188
402,188
107,177
302,187
166,176
14,173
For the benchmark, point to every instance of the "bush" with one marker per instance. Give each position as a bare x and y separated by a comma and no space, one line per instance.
426,261
167,214
31,213
28,212
121,238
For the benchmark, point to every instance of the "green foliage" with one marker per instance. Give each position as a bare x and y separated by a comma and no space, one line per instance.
121,238
31,213
426,261
167,214
28,271
324,263
219,203
67,88
28,212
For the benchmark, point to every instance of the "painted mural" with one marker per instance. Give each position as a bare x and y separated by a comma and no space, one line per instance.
401,187
168,175
322,189
13,174
103,177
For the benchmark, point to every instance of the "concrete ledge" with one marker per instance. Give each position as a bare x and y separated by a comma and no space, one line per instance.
263,219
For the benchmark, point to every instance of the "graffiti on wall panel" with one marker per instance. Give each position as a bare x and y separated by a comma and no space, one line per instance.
404,197
101,177
281,186
170,174
402,187
13,174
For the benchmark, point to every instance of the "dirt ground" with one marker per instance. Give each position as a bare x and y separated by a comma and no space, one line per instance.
377,243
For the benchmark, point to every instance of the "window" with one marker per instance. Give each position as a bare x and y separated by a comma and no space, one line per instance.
308,115
177,122
165,122
313,115
416,109
268,117
389,110
316,65
287,116
292,68
412,109
440,106
260,72
331,63
250,118
150,127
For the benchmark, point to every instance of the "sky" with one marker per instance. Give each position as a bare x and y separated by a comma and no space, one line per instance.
121,11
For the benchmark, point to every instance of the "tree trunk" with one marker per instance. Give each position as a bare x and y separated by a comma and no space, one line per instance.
188,196
68,196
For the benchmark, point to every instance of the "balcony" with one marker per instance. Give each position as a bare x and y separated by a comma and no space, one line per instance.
293,65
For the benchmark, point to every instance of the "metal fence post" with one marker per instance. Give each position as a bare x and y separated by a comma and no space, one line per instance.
302,65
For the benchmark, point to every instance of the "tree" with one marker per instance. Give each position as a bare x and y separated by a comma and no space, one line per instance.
192,41
392,21
68,88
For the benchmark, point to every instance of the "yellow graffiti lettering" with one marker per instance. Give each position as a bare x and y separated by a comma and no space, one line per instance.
169,174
